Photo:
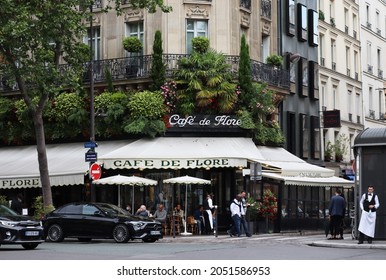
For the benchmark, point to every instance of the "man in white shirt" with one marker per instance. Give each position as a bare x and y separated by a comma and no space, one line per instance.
369,204
235,208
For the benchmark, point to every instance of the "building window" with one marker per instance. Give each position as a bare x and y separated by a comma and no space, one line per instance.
334,97
291,133
302,23
333,54
290,17
313,35
96,41
313,80
304,136
195,28
315,137
303,76
135,29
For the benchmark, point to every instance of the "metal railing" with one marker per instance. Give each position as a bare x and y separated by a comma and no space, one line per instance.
139,67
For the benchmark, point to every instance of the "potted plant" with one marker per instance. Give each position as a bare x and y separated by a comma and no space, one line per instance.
328,151
340,147
321,15
132,44
275,60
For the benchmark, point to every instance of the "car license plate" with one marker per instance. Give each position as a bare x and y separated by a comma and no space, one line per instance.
155,232
31,233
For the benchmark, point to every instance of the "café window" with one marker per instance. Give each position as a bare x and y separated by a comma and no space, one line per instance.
290,17
313,33
302,22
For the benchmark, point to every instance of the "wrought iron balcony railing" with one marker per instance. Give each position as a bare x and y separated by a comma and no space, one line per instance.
139,67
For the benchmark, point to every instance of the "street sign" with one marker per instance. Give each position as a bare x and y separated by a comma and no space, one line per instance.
91,156
256,173
90,144
95,171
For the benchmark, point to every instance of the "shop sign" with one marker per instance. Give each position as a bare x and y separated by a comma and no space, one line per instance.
204,121
174,163
19,183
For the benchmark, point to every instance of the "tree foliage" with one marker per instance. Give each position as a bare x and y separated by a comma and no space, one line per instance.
158,67
206,82
35,38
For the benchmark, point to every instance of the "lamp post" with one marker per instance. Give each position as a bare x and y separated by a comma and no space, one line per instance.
92,108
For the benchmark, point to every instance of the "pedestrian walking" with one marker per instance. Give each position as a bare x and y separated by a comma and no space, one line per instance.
235,208
336,211
369,204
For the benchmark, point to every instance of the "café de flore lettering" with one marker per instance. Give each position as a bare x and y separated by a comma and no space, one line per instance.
181,122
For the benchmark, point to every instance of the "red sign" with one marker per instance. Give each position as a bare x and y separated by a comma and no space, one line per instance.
95,171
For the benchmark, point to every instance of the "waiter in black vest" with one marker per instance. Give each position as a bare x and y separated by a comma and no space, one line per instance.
369,204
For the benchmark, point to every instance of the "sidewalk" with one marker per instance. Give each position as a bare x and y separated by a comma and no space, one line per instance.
312,239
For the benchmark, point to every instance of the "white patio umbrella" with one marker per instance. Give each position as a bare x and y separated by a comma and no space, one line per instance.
187,181
127,181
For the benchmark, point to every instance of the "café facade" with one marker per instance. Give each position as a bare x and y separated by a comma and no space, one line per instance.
209,147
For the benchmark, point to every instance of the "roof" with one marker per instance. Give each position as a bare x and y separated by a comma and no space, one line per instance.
371,137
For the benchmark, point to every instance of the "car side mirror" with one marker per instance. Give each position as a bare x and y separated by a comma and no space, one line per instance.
98,213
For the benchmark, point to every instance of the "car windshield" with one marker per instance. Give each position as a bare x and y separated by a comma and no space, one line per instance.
5,211
112,209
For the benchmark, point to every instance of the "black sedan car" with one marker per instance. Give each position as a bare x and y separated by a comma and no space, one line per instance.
19,230
87,221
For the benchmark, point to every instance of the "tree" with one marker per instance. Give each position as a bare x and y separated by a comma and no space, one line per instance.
245,79
157,67
35,38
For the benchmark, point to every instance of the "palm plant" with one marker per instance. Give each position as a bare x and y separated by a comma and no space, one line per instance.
206,81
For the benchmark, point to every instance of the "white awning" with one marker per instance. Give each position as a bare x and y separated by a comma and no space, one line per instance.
332,181
66,163
287,164
182,153
281,165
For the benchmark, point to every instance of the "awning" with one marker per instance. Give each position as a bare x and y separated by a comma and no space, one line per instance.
281,165
182,153
332,181
66,163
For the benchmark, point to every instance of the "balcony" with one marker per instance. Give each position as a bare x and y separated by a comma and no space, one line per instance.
356,76
333,66
370,68
368,25
131,70
380,73
358,119
349,117
382,116
348,72
346,29
354,34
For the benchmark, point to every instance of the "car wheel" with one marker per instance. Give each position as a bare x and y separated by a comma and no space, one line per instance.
151,240
121,234
29,246
55,233
84,239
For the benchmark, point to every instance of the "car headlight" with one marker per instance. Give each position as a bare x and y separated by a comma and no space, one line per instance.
8,223
138,225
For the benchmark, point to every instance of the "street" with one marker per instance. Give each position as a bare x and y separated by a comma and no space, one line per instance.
268,247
